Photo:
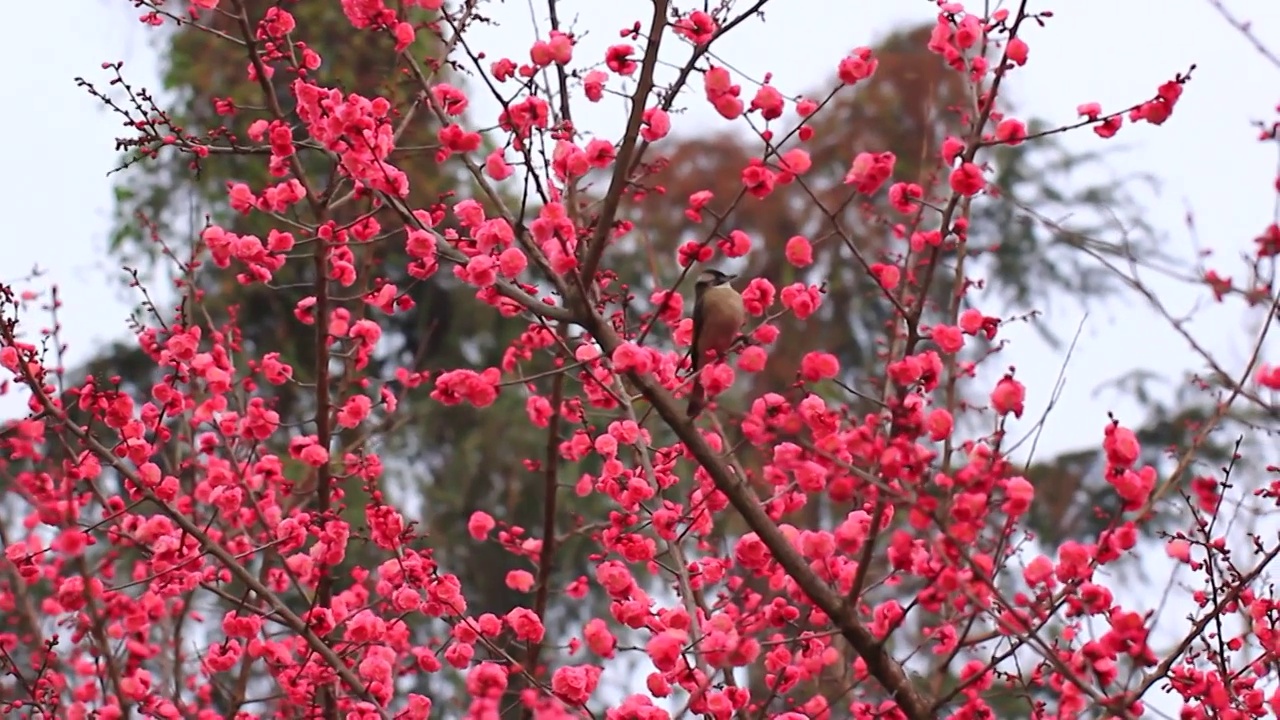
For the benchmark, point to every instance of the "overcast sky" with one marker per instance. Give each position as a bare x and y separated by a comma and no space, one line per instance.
1115,52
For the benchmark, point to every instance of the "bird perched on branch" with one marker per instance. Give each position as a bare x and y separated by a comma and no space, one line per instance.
718,315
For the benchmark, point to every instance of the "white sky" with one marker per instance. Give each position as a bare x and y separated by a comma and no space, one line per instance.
1115,53
1109,51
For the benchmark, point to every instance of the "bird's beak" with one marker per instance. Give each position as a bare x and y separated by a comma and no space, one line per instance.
731,278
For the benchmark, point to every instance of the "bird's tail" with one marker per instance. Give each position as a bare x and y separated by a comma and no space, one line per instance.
697,399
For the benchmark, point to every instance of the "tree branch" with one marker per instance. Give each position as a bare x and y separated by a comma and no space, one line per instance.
622,164
885,669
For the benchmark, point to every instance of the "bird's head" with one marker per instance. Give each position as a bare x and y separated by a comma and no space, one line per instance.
711,277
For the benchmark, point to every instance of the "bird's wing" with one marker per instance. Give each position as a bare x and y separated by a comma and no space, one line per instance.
693,346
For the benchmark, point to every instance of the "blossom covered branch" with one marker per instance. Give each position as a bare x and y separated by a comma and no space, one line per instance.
409,443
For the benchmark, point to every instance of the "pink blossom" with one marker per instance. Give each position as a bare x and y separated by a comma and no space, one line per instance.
698,27
512,262
486,680
1008,396
1016,51
1039,570
599,639
629,357
1179,550
520,580
525,624
450,99
858,65
967,179
1120,445
1090,110
1268,376
939,423
950,339
456,386
769,102
665,648
480,525
1019,494
574,683
758,296
656,124
752,359
870,171
593,84
618,59
817,366
798,251
496,167
1011,131
801,299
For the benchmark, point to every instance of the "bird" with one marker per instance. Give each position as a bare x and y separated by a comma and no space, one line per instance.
718,315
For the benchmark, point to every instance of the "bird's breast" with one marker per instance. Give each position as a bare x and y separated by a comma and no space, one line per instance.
723,317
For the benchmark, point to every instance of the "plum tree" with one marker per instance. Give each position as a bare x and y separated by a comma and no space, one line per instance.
415,263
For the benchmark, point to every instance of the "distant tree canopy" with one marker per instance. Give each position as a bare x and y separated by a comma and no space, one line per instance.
459,460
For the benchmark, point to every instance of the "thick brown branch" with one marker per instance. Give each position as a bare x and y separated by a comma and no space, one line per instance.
546,557
324,434
883,668
622,164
